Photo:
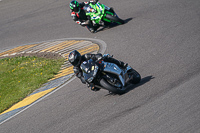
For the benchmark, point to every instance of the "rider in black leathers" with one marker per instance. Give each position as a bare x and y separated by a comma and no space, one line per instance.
76,59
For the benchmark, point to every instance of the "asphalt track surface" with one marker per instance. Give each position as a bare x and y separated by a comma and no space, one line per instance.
161,40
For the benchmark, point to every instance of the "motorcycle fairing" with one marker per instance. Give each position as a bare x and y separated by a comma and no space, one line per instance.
114,69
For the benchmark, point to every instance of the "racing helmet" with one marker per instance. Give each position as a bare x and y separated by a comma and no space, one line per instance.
74,6
74,58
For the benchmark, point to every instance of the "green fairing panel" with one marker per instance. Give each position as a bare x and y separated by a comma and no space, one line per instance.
99,12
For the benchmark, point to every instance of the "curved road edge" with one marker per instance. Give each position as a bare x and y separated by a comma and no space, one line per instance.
61,47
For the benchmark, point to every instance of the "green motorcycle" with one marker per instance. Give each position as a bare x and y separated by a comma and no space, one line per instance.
101,14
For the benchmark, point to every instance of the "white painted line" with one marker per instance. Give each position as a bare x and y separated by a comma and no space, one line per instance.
38,100
102,46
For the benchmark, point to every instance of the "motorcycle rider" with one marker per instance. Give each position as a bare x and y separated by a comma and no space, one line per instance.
76,59
79,16
96,6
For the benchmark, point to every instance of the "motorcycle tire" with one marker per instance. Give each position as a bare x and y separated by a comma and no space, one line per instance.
114,19
110,88
136,76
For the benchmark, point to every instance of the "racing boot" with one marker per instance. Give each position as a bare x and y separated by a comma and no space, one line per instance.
124,65
121,64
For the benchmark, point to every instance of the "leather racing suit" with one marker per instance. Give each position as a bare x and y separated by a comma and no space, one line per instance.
81,18
78,72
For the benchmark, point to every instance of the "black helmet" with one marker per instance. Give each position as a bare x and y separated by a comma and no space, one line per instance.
74,6
74,58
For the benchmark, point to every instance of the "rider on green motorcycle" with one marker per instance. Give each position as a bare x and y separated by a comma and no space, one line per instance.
101,15
79,16
97,13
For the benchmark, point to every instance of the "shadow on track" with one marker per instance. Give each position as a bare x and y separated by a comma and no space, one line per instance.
131,87
127,20
114,25
142,82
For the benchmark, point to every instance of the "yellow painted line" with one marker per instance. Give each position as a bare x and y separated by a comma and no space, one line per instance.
64,72
52,47
18,49
85,50
28,100
64,45
60,46
32,98
69,70
89,49
55,46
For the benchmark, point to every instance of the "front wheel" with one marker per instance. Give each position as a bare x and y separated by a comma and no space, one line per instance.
110,88
136,78
114,19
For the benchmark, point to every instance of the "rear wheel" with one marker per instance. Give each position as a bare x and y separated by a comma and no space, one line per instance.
114,19
111,88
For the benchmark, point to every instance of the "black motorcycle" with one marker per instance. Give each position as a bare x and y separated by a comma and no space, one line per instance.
109,76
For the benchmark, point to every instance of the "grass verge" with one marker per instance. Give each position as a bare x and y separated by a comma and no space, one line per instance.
20,76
